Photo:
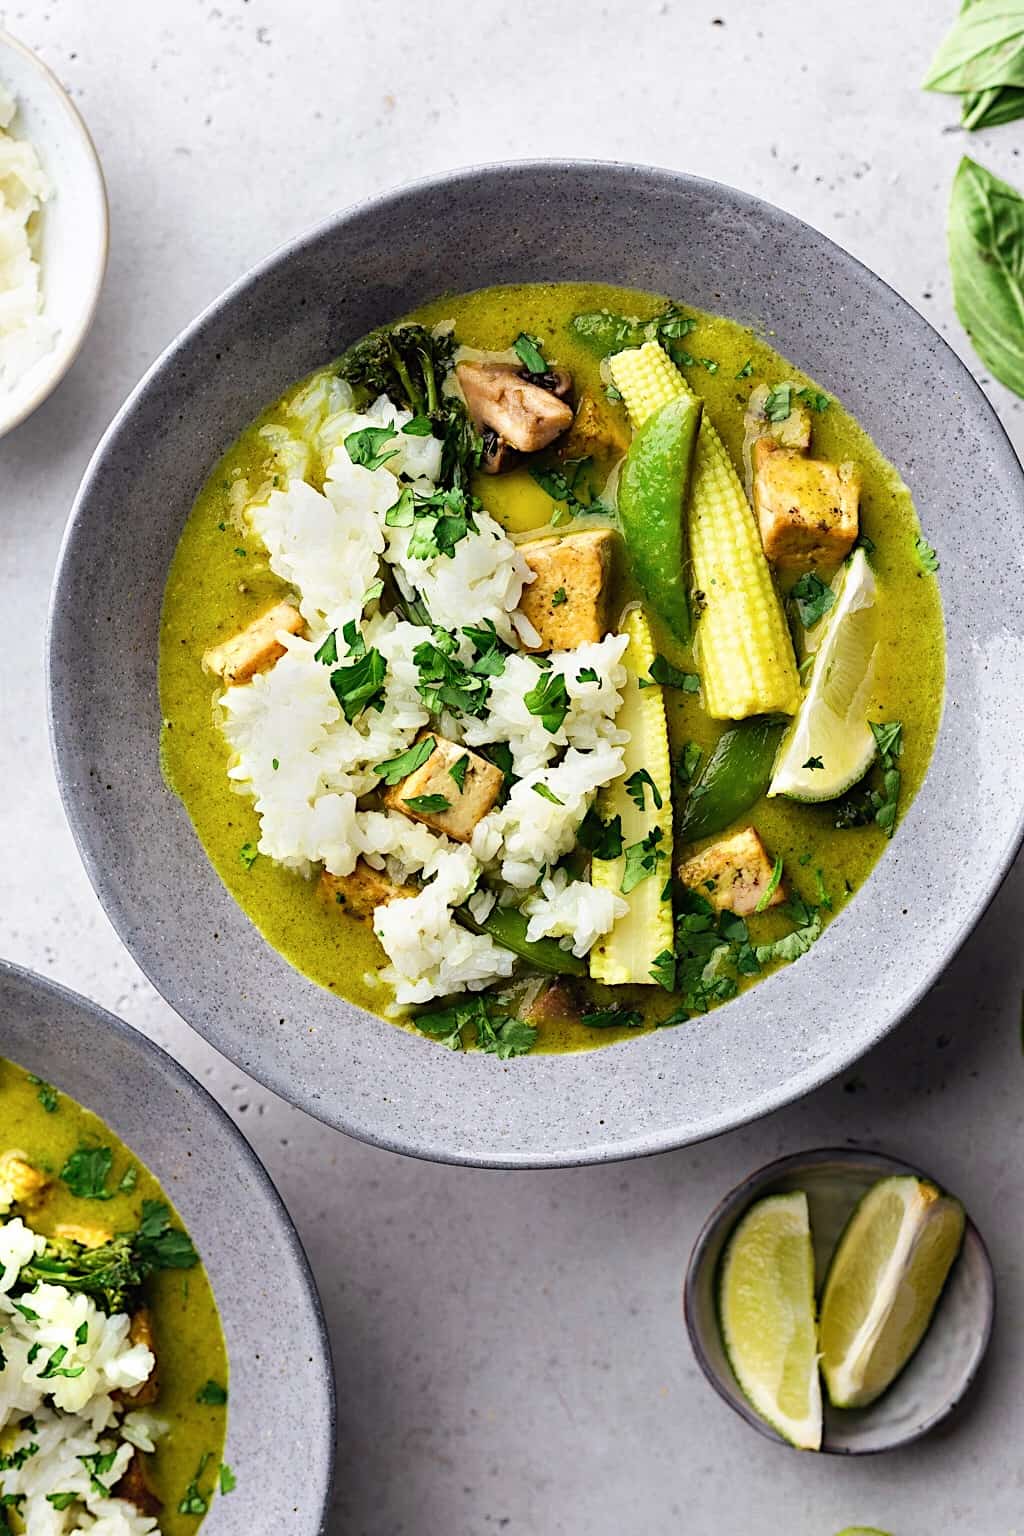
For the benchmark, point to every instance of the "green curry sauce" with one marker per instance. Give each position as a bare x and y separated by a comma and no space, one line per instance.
217,584
189,1344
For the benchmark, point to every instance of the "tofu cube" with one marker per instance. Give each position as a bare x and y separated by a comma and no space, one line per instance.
86,1236
361,892
20,1183
807,509
595,432
733,874
256,647
568,600
465,804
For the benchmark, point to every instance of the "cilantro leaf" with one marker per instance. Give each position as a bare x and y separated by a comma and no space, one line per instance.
927,559
642,860
364,447
813,598
546,794
428,805
636,785
212,1393
419,426
361,684
396,768
746,370
47,1095
663,969
601,838
328,652
247,855
779,402
86,1172
613,1018
550,700
457,771
662,671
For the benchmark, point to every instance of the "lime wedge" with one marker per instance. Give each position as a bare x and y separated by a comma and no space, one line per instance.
885,1278
766,1313
829,745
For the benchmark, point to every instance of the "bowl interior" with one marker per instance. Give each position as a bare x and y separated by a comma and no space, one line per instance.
73,240
281,1378
940,1373
720,250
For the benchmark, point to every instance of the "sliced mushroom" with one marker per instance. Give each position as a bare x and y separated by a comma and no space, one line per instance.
524,414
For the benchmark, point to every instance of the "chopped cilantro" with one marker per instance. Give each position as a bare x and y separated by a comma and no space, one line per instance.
247,855
613,1018
601,838
406,762
547,794
99,1465
527,349
47,1095
195,1502
419,426
889,741
213,1393
328,652
364,447
927,559
227,1481
779,402
814,399
587,675
814,762
54,1366
361,684
642,860
708,363
813,598
746,370
428,805
636,785
86,1172
663,969
564,486
61,1501
496,1035
82,1333
457,771
558,598
662,671
688,762
550,700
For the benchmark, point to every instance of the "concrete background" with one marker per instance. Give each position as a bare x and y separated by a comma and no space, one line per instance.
509,1347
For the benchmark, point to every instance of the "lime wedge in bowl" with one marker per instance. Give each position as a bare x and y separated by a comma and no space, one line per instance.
885,1279
829,745
766,1314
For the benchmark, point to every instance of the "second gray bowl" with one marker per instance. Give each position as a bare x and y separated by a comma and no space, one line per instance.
710,246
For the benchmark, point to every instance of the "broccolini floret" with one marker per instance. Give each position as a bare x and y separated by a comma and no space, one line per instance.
113,1273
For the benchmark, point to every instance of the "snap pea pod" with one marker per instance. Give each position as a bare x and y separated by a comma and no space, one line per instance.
736,774
507,926
652,509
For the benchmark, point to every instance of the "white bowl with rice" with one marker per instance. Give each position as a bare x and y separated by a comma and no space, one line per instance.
53,232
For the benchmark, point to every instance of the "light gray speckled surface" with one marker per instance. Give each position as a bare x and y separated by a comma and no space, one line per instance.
509,1347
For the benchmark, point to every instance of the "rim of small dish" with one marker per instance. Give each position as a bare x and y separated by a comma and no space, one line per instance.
728,1212
356,1117
20,976
70,344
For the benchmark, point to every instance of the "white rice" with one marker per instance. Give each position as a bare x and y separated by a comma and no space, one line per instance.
572,911
25,334
57,1420
306,767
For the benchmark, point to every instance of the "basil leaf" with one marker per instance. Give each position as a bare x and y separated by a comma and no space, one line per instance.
527,349
988,109
986,256
983,49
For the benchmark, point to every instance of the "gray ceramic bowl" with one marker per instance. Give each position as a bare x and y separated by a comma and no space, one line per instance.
282,1383
940,1374
703,243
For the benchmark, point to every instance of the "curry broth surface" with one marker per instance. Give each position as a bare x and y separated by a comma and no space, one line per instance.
217,584
189,1342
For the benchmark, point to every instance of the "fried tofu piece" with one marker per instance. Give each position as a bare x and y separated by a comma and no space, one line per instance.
467,803
567,602
733,874
256,647
361,892
135,1486
85,1236
523,414
807,509
595,433
20,1183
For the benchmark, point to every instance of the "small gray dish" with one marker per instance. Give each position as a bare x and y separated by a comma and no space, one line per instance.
941,1372
710,246
281,1377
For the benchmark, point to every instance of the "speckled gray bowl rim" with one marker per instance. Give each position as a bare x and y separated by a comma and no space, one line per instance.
255,1308
728,1212
545,220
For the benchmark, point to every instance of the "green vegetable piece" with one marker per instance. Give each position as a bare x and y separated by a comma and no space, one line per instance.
984,50
736,775
652,495
986,257
507,926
